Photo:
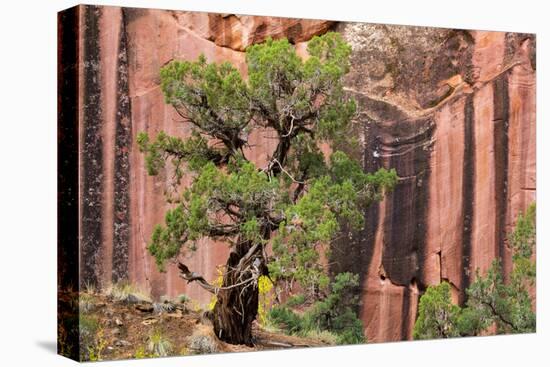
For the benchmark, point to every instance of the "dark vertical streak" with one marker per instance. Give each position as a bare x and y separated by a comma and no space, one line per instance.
353,251
422,156
123,136
67,181
500,141
467,193
405,314
92,158
67,154
407,206
368,234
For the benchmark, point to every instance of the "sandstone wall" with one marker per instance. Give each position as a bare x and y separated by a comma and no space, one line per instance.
453,111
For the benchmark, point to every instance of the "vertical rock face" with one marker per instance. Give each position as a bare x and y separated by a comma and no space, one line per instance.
452,111
442,107
123,51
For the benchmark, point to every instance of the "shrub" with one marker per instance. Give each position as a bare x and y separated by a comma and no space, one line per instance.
285,319
202,344
158,344
492,300
141,353
183,298
296,300
92,341
437,316
85,303
126,292
335,314
265,298
323,336
95,351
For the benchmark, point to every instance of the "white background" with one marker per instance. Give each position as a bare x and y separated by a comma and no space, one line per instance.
28,182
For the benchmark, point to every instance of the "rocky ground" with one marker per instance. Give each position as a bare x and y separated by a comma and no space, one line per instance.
114,327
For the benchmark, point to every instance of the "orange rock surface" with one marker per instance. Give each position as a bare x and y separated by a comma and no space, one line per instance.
453,111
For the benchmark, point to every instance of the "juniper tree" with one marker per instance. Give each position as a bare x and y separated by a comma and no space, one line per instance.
506,303
492,300
294,203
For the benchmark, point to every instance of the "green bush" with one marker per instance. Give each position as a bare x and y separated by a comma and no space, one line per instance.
285,319
335,314
492,299
437,315
296,300
91,338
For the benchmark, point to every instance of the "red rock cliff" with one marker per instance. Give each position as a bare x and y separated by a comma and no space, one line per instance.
453,111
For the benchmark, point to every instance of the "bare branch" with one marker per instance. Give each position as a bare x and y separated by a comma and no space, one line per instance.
190,276
286,172
291,127
194,277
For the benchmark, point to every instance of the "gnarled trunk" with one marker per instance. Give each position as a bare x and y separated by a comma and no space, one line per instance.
237,300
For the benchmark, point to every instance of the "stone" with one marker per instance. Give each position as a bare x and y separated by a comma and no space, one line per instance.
452,110
122,343
150,321
145,307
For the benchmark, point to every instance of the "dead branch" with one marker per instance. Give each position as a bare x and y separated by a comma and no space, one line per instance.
194,277
275,160
190,276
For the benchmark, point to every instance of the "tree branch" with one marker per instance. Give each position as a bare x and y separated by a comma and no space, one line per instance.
190,276
500,317
301,186
223,231
194,277
288,174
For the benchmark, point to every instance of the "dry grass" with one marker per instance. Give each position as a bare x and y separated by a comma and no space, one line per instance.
122,330
127,292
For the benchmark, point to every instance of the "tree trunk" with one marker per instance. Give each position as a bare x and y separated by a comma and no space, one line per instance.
237,305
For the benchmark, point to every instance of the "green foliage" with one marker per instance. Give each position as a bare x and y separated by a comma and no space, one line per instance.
141,353
522,239
335,314
324,336
342,194
194,151
508,303
215,192
183,298
296,300
91,338
95,351
298,200
285,319
278,77
213,97
491,299
89,325
437,315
